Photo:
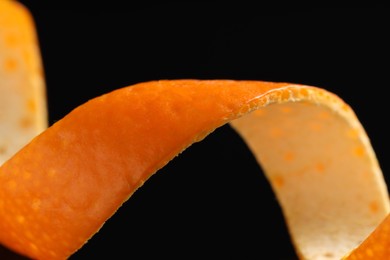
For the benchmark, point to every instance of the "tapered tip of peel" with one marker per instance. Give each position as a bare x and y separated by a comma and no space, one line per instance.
23,112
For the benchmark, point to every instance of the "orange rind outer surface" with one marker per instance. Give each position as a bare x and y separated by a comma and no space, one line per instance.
376,246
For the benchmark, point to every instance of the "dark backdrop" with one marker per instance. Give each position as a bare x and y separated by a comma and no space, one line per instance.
213,200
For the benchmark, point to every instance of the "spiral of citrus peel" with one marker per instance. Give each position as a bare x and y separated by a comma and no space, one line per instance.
313,149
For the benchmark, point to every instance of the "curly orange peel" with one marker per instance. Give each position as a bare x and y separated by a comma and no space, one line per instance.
313,150
60,188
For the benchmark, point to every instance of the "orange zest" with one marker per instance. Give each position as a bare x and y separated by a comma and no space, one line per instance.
61,186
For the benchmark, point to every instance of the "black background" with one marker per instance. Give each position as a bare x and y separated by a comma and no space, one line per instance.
213,200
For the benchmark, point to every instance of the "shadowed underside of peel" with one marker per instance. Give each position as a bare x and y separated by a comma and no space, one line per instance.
310,144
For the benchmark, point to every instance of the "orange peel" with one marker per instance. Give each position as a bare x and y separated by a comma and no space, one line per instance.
59,188
376,246
23,99
326,178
